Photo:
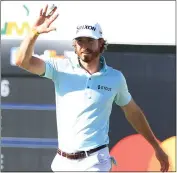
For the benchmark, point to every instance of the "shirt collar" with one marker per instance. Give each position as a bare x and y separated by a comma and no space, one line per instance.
104,65
75,62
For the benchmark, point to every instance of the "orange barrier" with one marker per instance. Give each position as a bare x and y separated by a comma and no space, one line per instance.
134,153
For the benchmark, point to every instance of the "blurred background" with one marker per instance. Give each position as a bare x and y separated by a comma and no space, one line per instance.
141,37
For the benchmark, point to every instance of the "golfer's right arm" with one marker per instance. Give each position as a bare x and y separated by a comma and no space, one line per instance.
24,56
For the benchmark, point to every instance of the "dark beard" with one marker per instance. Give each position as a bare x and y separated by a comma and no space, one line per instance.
86,58
90,57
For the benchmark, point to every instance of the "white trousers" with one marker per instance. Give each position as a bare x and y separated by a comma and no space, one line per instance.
97,161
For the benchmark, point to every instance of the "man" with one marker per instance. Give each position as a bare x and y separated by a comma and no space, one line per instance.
85,89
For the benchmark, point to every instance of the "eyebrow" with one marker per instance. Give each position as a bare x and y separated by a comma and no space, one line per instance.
80,38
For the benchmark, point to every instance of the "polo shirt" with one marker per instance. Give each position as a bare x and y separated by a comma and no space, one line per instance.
84,101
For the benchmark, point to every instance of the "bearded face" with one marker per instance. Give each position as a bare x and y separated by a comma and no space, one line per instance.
87,48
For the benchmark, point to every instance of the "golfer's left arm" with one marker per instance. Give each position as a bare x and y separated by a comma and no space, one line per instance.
137,119
133,112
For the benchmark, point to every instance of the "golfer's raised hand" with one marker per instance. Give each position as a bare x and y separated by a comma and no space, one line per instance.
44,21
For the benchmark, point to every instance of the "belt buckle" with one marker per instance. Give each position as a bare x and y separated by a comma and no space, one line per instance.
75,156
82,154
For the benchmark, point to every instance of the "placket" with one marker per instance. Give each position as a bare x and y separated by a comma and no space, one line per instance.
88,86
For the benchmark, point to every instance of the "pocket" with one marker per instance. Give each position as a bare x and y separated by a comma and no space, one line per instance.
97,162
103,158
103,155
104,163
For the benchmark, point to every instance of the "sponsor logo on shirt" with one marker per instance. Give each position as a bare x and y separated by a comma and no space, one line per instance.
100,87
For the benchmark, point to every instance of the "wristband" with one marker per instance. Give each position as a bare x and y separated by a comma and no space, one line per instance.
35,32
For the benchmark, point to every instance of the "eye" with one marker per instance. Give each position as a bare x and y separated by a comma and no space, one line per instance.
90,40
79,41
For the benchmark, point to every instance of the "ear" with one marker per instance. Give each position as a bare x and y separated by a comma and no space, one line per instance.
101,41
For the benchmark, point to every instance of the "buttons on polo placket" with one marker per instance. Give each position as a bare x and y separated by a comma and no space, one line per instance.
88,90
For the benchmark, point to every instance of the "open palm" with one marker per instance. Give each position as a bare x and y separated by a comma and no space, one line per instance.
43,23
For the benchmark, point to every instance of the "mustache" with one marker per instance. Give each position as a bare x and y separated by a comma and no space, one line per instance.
87,51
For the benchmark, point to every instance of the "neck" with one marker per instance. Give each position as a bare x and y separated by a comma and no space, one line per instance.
92,66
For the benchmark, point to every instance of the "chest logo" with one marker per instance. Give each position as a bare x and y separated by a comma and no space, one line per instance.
100,87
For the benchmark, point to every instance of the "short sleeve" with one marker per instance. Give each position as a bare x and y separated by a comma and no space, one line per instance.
123,96
50,66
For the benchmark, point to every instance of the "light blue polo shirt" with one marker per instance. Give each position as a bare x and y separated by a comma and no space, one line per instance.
84,101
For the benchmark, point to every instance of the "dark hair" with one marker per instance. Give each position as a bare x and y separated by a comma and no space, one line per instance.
104,46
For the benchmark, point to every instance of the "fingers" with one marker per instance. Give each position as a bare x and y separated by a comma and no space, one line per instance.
45,10
164,166
51,29
52,12
46,20
41,12
52,19
167,165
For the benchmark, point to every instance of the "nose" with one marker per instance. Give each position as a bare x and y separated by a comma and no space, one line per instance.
85,45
